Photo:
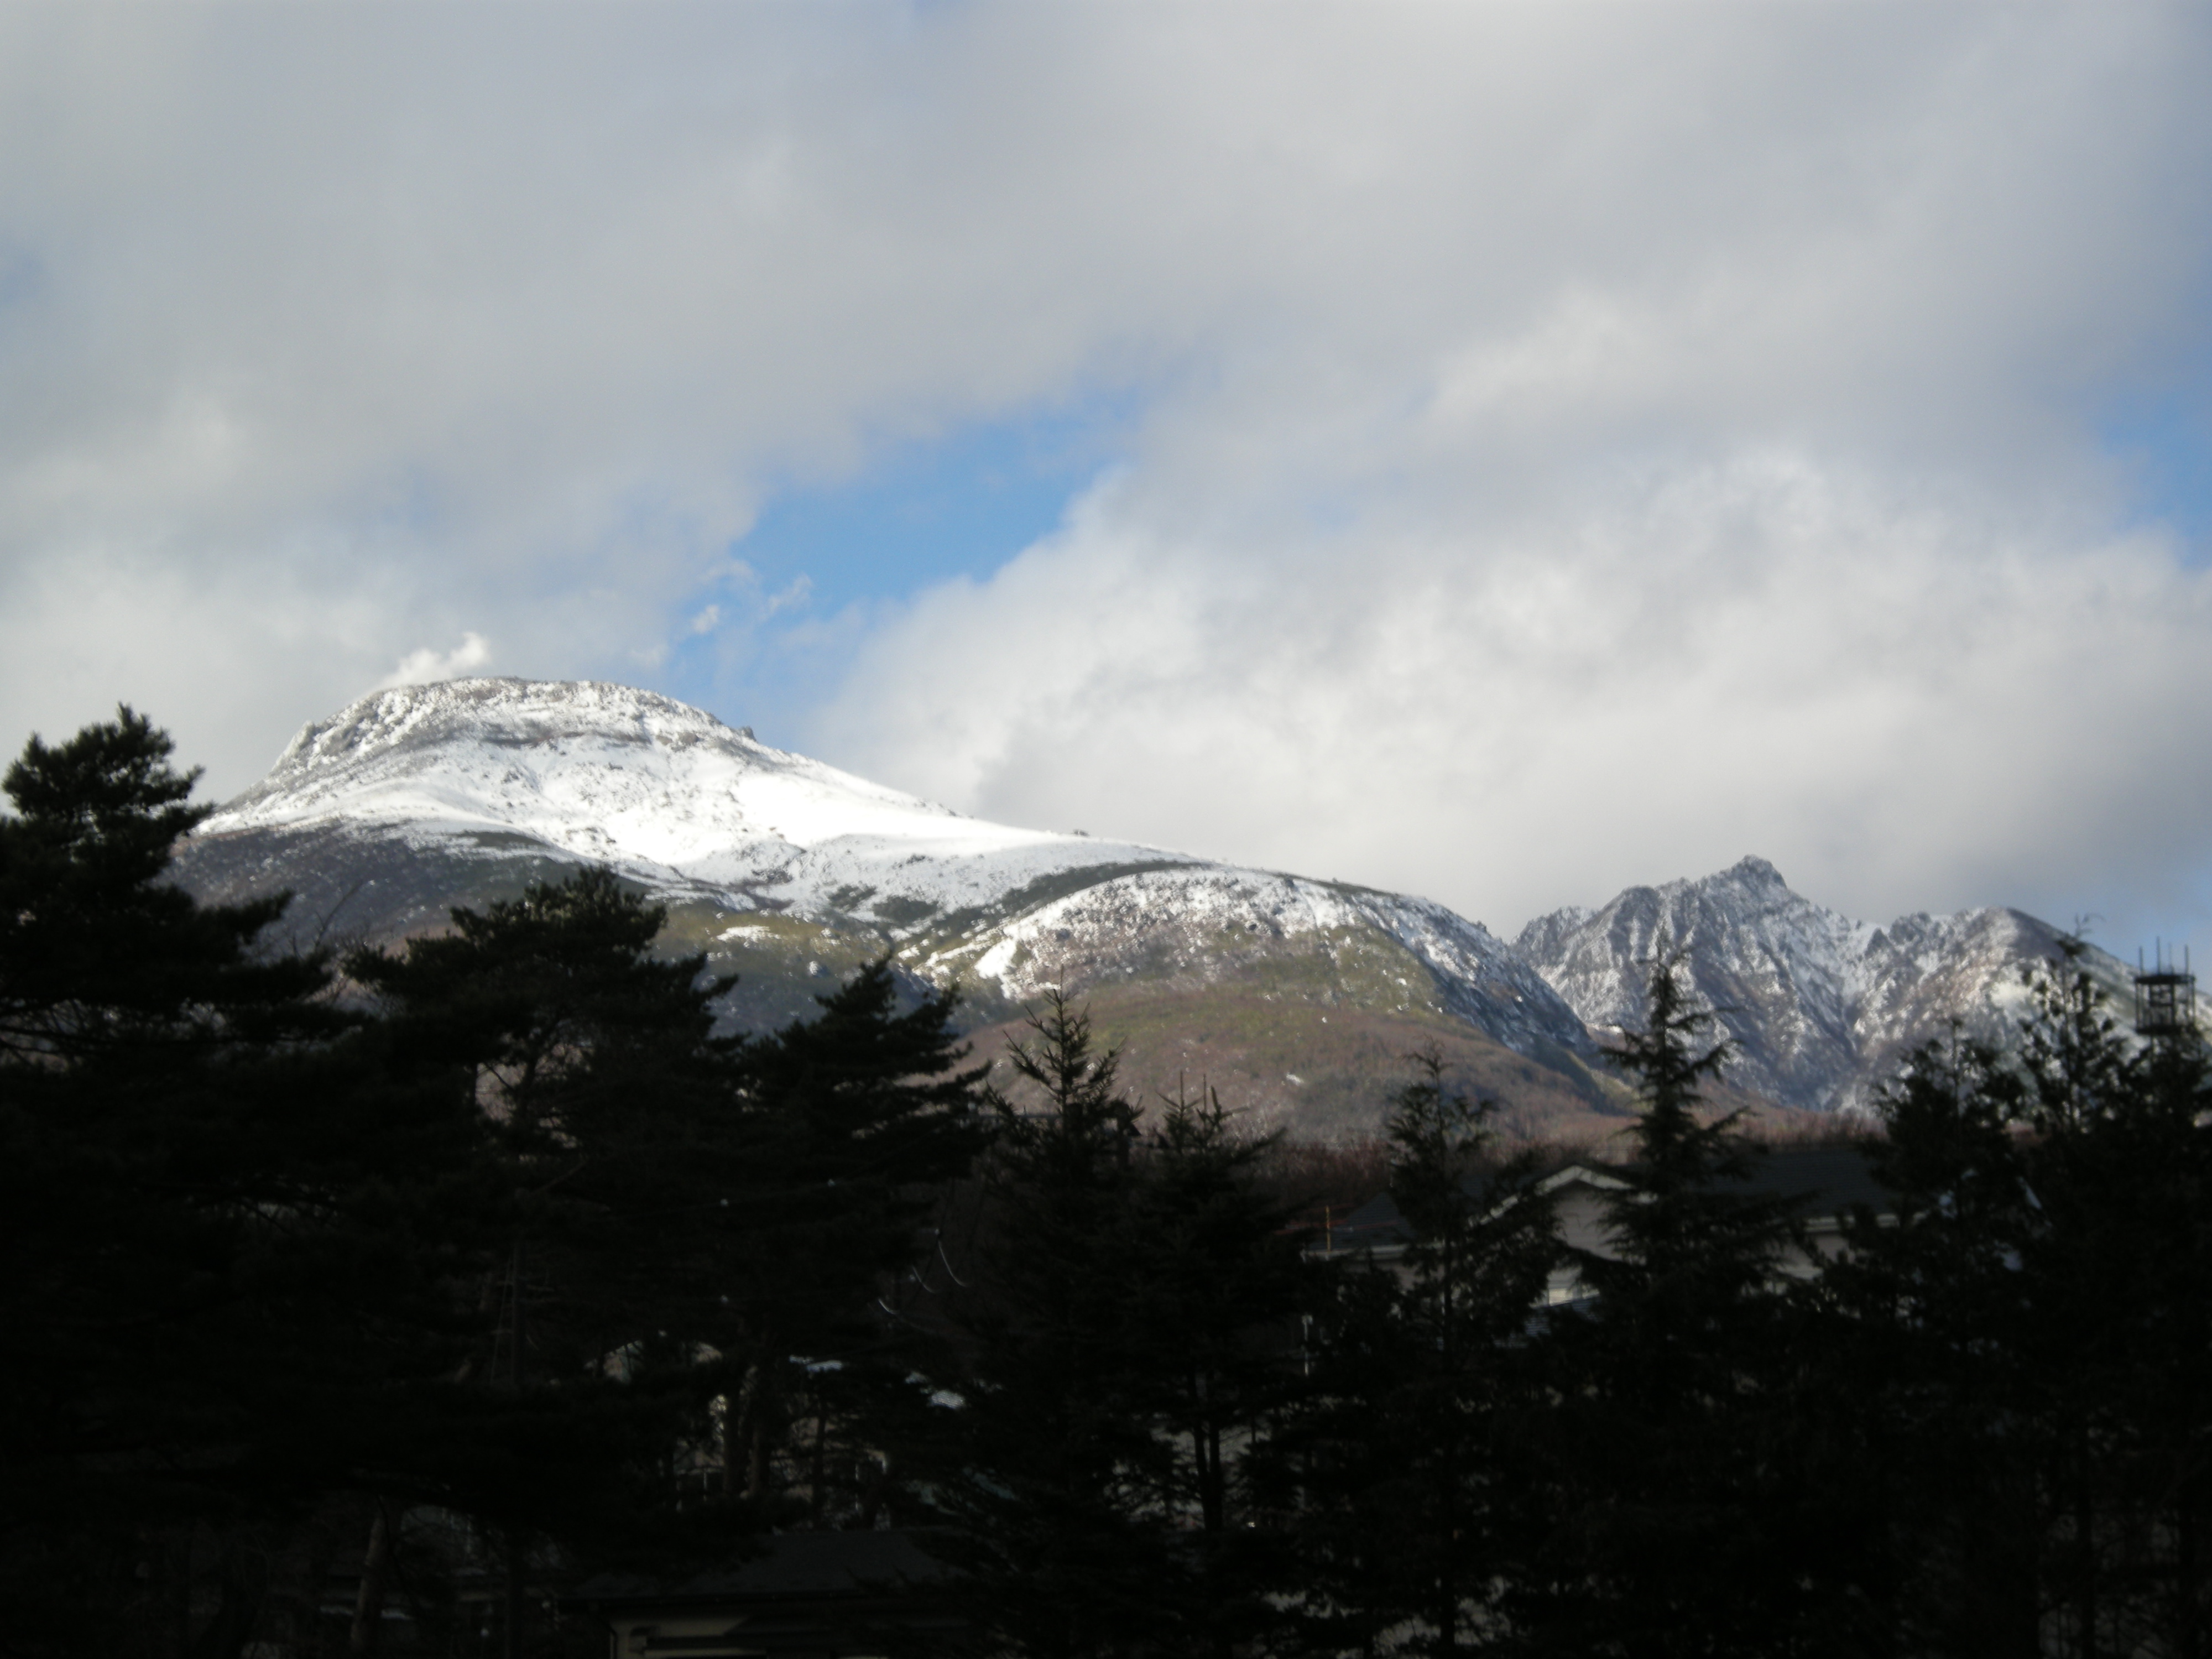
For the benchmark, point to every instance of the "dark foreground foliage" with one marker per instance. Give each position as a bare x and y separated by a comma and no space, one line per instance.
359,1302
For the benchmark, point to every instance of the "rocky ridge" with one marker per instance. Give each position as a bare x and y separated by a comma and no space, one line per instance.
1821,1008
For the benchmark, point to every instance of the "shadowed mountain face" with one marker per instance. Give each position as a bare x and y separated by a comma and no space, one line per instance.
1820,1007
1298,1000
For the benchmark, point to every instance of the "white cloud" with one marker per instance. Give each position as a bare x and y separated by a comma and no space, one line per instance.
1904,705
1573,444
425,664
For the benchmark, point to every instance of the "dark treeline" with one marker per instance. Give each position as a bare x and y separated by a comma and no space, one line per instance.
452,1269
359,1300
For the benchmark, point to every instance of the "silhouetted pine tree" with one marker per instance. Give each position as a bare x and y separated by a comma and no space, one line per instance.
2114,1351
1050,1466
2033,1337
619,1135
1686,1522
1410,1447
1921,1361
862,1118
1217,1283
224,1243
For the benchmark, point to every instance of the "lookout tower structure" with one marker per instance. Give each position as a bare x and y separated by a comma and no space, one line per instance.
2166,996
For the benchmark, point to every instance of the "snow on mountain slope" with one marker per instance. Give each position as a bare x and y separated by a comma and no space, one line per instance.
664,793
1821,1007
786,871
1208,924
381,813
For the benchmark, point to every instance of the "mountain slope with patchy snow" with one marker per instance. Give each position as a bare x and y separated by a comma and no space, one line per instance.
1821,1008
1300,999
788,871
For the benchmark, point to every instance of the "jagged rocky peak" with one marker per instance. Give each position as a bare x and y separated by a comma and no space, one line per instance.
1821,1008
1608,953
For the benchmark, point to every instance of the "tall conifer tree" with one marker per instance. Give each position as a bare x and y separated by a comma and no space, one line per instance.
862,1118
2114,1348
612,1108
1686,1524
1218,1284
1925,1313
1049,1465
1425,1395
223,1293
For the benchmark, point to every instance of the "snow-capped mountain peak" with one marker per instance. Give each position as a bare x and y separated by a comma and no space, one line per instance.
787,872
665,792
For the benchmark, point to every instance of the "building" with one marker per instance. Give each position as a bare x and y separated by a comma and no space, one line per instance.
1821,1186
803,1595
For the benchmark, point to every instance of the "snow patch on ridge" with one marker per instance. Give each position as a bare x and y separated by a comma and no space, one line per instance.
1208,922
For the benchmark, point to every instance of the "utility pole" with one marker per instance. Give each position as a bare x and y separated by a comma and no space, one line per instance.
517,1550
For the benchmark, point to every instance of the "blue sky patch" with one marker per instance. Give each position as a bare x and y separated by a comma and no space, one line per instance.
924,512
2163,435
920,512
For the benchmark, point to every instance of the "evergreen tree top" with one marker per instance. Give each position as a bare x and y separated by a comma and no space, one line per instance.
110,786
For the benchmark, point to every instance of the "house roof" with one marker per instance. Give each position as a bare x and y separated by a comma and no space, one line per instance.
1377,1222
1824,1180
1821,1180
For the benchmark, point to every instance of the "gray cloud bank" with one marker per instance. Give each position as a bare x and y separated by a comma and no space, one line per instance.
1576,445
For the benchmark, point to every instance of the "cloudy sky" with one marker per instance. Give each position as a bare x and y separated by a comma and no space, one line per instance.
1506,452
